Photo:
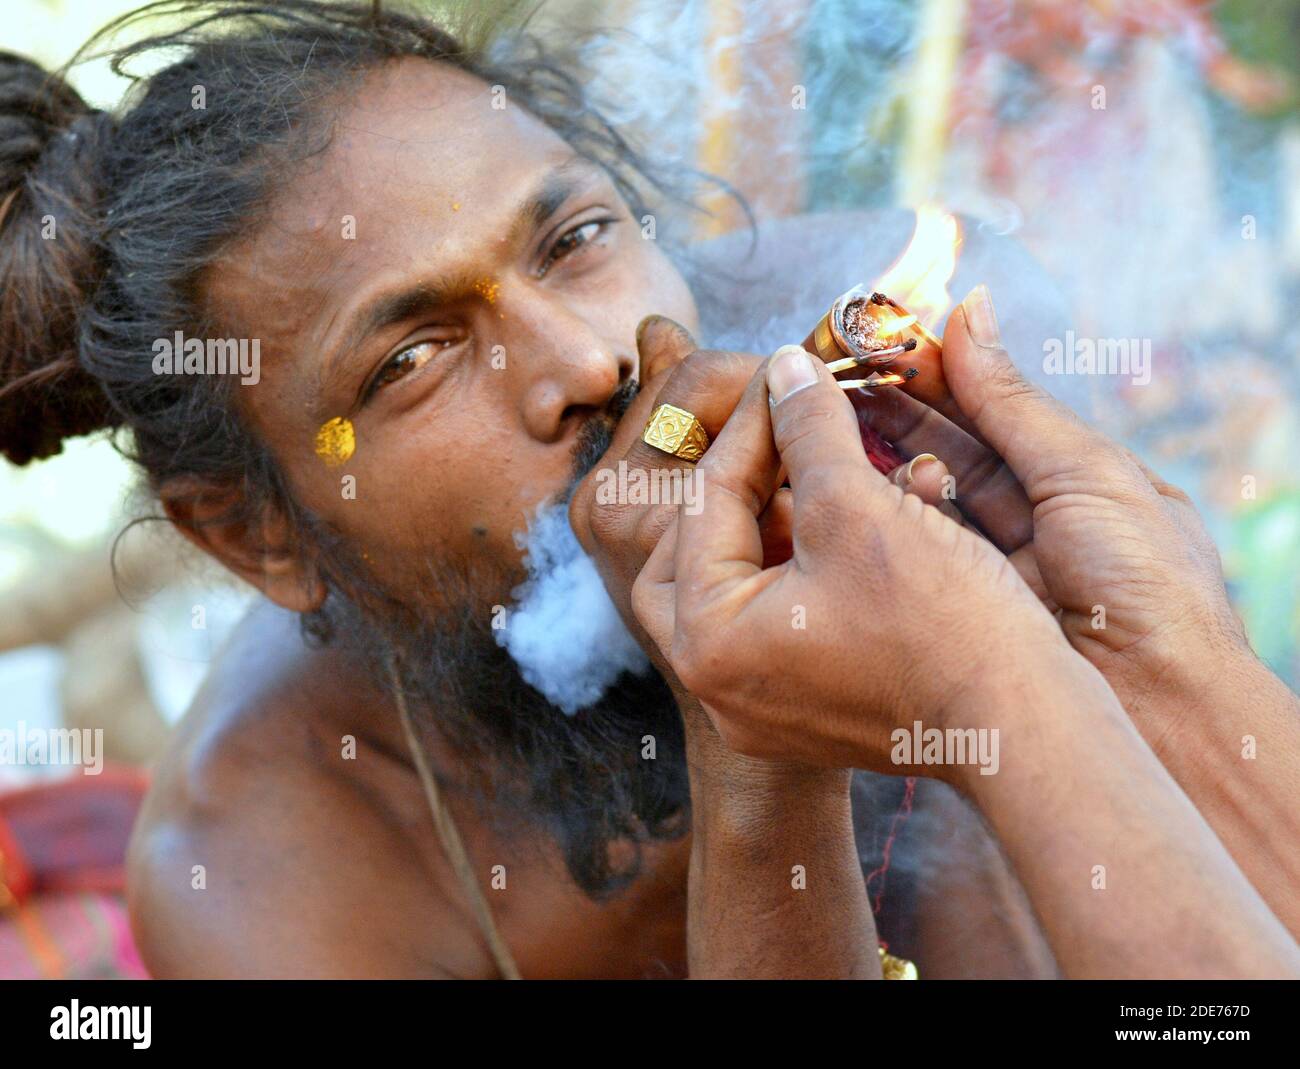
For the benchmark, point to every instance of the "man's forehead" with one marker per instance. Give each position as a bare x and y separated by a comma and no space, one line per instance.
421,125
420,168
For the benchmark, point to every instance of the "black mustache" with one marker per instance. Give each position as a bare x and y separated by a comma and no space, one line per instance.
597,433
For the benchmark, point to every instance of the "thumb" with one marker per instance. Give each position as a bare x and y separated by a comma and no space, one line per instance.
1033,432
662,343
816,433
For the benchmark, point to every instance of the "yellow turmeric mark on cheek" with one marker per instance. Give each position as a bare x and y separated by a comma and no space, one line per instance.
487,288
336,441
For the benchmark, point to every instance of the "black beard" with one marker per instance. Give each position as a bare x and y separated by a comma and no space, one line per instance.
582,778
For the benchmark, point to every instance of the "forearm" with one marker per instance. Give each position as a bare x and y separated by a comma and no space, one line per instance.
1228,731
1127,878
775,887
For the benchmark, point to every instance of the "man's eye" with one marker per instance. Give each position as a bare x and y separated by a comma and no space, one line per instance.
408,360
572,240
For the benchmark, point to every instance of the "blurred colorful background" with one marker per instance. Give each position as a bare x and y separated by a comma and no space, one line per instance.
1144,156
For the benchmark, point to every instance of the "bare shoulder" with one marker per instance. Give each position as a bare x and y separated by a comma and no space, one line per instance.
276,839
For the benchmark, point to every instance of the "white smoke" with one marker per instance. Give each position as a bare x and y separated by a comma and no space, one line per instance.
564,631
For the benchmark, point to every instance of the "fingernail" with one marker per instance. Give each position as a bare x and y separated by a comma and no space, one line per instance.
791,370
981,320
918,461
640,327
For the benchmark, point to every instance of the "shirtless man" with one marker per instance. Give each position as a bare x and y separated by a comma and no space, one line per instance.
352,200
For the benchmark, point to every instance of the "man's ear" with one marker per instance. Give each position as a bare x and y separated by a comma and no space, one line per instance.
261,549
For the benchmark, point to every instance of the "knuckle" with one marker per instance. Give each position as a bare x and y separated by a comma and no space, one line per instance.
685,663
642,599
1130,488
802,422
989,472
725,362
652,524
703,665
607,524
1006,379
699,367
580,510
708,371
1174,493
740,739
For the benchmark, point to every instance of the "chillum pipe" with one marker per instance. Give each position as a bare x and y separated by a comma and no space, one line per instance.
836,337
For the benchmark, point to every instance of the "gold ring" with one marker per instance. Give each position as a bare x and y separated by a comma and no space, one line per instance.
677,432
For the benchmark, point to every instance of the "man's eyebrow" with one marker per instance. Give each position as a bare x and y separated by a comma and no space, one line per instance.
556,186
423,297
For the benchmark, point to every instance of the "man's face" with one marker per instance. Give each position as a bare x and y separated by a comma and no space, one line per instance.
455,282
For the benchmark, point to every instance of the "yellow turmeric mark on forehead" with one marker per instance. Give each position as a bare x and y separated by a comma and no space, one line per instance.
487,288
336,441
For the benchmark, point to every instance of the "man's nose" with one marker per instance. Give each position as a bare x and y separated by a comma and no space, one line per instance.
570,370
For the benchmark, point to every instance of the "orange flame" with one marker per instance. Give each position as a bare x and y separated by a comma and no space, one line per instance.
888,324
919,279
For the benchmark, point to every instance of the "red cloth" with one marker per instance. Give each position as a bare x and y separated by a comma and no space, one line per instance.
70,835
63,876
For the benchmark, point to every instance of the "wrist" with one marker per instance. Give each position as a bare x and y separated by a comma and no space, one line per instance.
1164,666
741,792
1012,667
1033,721
1207,701
761,803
